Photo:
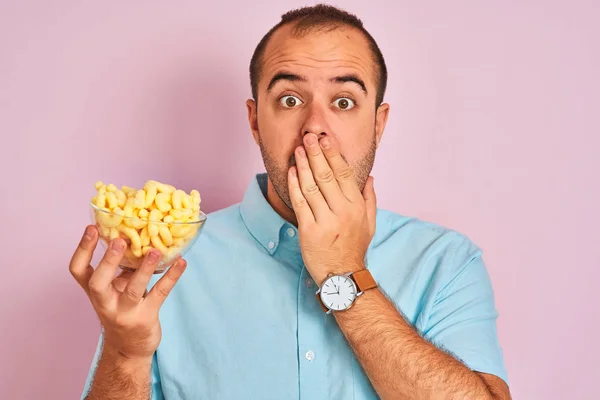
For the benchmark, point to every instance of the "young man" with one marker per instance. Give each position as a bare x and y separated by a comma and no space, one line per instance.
404,310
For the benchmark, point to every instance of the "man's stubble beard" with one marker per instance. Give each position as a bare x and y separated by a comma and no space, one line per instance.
278,176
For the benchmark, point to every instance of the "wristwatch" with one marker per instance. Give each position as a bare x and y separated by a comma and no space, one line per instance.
339,292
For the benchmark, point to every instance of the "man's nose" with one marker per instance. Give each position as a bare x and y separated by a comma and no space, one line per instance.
316,121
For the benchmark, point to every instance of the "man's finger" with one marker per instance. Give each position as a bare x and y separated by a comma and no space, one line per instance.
341,170
121,281
101,281
302,210
323,174
371,203
80,266
163,287
136,288
310,189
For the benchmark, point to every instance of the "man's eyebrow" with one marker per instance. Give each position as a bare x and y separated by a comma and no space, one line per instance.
350,78
284,76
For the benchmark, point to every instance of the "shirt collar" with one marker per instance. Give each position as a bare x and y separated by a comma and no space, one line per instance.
261,220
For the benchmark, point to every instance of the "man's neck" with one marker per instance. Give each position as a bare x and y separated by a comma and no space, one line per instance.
279,206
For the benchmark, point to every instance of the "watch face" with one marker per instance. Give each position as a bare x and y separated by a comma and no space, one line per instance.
338,292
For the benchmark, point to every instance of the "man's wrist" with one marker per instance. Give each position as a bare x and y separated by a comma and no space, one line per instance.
123,362
350,268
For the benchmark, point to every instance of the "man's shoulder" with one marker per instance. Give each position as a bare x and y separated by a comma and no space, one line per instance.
420,236
225,214
223,230
224,219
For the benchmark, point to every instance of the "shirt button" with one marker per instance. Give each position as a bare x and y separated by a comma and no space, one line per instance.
271,245
310,355
308,282
291,232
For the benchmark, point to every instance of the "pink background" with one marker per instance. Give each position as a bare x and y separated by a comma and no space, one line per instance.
494,131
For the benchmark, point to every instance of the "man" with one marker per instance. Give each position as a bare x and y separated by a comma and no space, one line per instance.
246,322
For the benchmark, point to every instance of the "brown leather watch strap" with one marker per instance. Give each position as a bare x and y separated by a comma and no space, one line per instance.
364,280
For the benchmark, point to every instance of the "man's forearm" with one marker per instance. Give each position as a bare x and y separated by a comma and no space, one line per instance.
398,361
118,378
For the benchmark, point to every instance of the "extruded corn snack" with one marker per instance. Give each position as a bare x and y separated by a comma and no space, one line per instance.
151,217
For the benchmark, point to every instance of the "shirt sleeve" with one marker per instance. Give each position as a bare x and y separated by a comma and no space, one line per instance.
92,371
463,317
157,393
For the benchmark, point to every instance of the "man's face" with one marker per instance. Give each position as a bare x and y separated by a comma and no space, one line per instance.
322,83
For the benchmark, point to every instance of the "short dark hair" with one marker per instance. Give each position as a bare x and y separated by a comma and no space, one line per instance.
319,17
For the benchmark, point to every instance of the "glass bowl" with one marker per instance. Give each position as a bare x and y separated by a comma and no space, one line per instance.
172,239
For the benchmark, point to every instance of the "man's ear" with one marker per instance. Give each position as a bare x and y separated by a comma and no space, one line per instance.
381,118
253,118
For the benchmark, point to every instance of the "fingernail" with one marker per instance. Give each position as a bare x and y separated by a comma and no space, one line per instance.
152,256
325,143
311,139
89,233
301,152
294,172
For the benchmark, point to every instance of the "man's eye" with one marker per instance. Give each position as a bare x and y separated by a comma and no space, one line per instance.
344,103
290,101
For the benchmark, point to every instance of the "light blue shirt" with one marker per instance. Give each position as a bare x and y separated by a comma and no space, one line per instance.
243,321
